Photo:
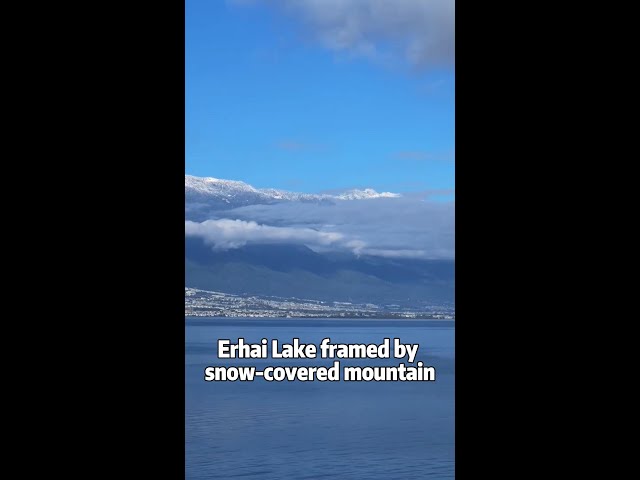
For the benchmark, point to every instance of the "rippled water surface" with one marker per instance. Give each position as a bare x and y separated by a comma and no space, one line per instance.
307,430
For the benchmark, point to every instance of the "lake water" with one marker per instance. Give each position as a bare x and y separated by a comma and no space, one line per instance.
309,430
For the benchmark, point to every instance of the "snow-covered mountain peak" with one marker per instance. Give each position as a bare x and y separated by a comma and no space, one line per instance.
233,193
365,194
215,185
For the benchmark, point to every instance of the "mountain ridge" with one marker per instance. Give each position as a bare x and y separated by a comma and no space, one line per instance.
232,193
271,242
297,271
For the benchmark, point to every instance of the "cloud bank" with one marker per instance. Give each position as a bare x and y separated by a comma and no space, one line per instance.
387,227
421,32
225,233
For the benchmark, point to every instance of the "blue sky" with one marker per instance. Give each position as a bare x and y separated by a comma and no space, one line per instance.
289,97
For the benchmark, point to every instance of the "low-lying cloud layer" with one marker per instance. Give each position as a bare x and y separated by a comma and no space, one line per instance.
225,233
405,227
422,32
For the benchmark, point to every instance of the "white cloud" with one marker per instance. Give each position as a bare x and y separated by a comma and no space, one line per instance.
385,227
226,233
377,252
422,32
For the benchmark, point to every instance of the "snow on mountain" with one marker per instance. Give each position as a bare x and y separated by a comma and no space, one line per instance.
232,193
365,194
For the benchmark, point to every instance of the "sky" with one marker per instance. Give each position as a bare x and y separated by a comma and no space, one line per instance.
322,95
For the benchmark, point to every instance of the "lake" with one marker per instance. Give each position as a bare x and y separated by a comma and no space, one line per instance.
307,430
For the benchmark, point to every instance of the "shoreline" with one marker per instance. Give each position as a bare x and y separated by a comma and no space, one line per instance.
387,319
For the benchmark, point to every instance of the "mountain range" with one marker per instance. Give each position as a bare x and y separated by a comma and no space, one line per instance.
225,194
285,269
